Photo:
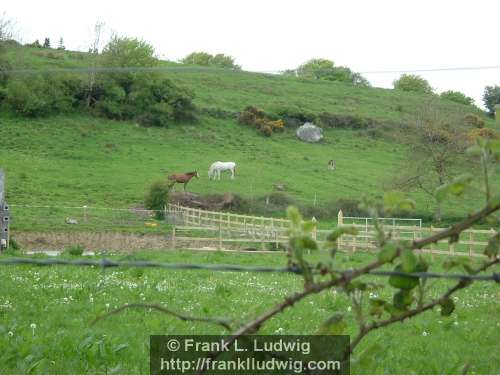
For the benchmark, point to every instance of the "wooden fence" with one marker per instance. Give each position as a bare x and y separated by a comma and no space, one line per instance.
196,228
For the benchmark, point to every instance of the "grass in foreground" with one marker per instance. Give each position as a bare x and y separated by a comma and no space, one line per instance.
62,302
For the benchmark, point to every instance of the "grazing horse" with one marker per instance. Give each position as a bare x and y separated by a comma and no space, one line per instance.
220,166
331,165
182,178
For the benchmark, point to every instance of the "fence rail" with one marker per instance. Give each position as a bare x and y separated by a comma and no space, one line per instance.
209,229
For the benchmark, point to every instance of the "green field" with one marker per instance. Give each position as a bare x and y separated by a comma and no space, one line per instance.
62,302
77,159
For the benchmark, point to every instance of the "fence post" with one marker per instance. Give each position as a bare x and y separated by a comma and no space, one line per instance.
340,218
165,213
315,229
85,214
174,242
220,235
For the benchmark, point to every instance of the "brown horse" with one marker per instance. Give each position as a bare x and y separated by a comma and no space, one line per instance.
182,178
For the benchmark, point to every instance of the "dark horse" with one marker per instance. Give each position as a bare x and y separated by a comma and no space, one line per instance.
182,178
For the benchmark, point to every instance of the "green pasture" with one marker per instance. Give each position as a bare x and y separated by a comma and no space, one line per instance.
47,314
78,160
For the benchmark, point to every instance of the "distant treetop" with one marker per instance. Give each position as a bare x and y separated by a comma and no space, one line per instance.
413,83
457,97
326,70
206,59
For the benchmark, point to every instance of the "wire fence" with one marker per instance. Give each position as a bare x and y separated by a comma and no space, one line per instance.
106,263
39,217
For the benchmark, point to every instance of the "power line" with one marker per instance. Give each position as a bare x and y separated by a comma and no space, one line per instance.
463,68
105,263
215,69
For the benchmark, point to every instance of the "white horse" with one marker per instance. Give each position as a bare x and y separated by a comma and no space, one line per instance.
220,166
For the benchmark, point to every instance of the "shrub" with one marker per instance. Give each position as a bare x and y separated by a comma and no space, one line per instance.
157,197
487,133
412,83
42,95
280,199
457,97
154,103
294,116
259,119
75,250
332,120
473,120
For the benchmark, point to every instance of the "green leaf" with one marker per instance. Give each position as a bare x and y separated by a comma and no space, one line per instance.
308,226
493,145
397,201
388,252
402,282
340,230
409,260
369,356
308,243
335,325
422,265
402,299
474,151
377,307
457,187
293,215
491,250
447,306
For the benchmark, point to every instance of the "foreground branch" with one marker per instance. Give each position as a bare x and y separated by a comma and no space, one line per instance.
399,318
347,276
222,322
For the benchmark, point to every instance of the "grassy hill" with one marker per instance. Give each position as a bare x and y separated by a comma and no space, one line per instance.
78,159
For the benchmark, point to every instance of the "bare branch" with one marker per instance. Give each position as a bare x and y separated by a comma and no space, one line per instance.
219,321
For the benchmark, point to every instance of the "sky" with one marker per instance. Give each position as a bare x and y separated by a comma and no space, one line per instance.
275,35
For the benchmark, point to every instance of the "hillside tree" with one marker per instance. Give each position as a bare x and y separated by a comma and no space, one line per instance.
413,83
46,43
325,69
7,26
128,53
491,98
60,44
95,44
134,90
219,60
457,97
437,143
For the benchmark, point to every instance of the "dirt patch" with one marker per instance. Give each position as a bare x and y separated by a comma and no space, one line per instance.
214,202
110,241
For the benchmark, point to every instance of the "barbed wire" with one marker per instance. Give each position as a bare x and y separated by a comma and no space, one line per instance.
106,263
85,207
